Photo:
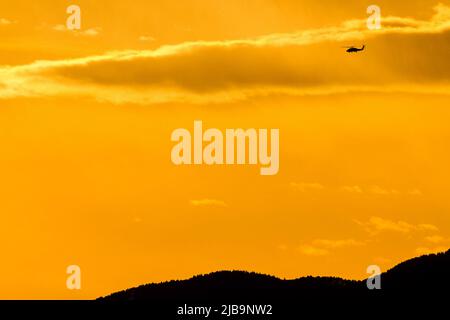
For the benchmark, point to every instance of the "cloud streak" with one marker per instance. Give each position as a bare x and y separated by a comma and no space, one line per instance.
376,225
298,63
304,186
208,203
91,32
5,22
322,247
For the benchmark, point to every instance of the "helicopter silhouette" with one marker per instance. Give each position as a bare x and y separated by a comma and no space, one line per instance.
354,49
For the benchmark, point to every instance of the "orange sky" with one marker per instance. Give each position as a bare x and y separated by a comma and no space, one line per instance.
86,120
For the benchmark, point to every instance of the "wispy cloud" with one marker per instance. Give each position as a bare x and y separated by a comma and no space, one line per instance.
332,244
351,189
376,225
321,247
208,203
380,191
5,22
415,192
91,32
303,62
305,186
310,250
434,243
436,239
146,38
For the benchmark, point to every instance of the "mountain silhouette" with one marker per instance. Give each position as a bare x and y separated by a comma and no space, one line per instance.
427,275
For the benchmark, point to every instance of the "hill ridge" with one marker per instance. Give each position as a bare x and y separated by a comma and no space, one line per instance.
420,273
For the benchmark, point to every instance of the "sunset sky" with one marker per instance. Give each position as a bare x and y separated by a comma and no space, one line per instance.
86,118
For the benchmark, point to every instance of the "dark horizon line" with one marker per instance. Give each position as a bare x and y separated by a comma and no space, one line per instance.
273,277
